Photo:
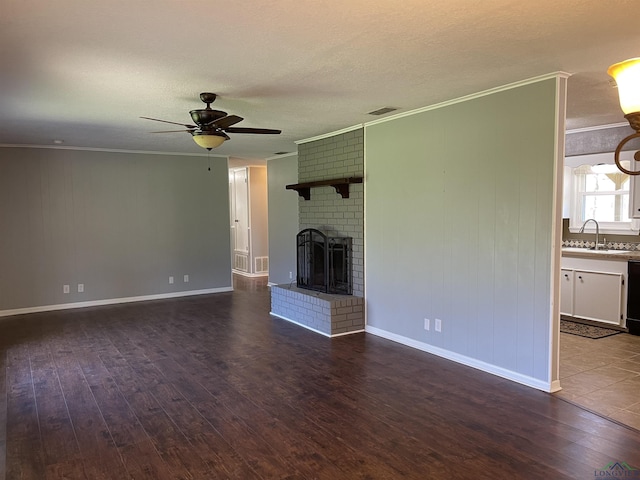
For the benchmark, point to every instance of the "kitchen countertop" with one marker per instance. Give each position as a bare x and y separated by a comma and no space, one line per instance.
623,255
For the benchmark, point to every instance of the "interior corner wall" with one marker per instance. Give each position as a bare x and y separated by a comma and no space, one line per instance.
459,204
118,223
283,218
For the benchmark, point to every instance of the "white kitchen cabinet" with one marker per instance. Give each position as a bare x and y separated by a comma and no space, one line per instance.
566,292
598,296
594,289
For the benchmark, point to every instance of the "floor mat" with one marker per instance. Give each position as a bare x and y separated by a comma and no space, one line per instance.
588,331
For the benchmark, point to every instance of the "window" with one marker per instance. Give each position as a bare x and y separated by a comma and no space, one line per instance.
603,193
599,190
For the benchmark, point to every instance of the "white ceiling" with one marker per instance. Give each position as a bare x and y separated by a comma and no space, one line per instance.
85,71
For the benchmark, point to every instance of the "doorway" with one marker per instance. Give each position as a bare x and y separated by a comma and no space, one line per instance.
249,220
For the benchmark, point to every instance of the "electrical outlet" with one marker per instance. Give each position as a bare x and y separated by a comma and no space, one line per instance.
186,279
426,324
80,287
438,325
290,275
170,280
65,288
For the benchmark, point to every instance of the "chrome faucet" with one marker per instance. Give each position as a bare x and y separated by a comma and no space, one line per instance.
597,230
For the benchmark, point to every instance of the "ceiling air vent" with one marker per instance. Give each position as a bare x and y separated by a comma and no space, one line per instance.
382,111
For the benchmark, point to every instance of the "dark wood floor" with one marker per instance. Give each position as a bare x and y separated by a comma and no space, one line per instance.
212,387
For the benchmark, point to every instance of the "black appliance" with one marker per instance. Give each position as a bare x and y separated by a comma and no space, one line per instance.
633,297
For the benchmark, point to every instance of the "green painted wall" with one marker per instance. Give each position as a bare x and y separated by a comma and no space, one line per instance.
459,225
120,223
283,218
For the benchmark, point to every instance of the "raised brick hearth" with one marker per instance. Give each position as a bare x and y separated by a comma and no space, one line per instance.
330,315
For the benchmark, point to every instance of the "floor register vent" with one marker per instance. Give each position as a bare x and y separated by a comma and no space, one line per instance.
262,264
240,262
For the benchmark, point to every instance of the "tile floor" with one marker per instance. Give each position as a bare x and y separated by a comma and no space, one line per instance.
602,375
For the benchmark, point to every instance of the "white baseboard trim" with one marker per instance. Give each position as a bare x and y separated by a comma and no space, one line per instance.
347,333
250,275
464,360
300,324
555,386
111,301
313,329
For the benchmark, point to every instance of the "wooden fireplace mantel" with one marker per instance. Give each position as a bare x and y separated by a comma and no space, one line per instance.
340,184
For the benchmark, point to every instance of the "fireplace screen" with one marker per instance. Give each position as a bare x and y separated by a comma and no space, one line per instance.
324,263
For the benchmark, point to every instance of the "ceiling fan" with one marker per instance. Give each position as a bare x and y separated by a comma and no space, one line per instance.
211,126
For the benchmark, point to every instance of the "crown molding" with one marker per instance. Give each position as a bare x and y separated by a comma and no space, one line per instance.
597,127
284,155
330,134
473,96
466,98
109,150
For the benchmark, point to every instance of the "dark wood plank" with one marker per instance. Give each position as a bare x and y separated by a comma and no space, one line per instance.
238,405
309,434
426,465
3,409
100,455
18,367
167,439
58,438
213,387
202,437
139,455
24,454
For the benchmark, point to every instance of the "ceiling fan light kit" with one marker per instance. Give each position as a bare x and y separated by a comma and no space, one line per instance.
208,141
211,125
627,77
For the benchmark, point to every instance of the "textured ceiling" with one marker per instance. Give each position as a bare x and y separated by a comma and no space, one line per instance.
85,71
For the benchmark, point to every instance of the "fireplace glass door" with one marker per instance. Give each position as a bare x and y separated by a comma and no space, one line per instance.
324,263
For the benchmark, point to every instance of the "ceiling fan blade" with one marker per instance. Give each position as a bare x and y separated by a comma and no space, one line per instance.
172,131
173,123
252,130
227,121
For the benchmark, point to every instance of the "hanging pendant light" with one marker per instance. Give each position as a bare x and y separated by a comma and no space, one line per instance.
627,77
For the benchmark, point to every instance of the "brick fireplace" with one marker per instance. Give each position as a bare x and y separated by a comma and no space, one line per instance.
338,156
